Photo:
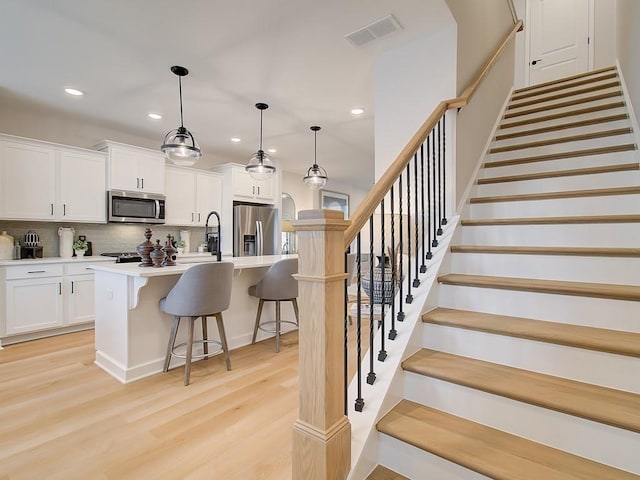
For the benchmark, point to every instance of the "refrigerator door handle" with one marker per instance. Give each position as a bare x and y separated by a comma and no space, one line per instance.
259,239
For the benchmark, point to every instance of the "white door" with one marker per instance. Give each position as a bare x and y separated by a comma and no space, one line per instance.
180,193
209,188
558,39
82,187
33,305
80,300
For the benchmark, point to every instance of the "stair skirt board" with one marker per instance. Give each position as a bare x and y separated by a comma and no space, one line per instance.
597,442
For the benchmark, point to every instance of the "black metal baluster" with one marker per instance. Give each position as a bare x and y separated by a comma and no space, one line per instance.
434,174
409,297
382,354
359,404
429,254
416,280
400,262
423,267
393,333
371,376
444,170
439,179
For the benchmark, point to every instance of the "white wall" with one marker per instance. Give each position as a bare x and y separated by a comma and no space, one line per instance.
410,81
628,39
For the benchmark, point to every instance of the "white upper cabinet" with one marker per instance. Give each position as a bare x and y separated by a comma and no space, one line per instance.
134,168
245,188
49,182
191,195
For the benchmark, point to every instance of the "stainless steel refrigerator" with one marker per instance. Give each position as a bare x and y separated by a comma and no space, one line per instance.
254,230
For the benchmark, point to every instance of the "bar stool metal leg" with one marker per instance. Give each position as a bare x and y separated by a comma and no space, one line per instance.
205,345
294,301
172,342
223,340
187,362
277,326
258,315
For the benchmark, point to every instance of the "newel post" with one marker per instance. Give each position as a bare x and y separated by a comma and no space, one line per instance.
322,433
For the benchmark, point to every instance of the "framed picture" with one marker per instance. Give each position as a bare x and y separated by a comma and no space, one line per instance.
334,201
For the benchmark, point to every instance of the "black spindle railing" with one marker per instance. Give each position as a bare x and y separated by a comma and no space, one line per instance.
401,237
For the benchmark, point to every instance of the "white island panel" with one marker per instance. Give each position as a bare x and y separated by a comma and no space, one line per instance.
131,331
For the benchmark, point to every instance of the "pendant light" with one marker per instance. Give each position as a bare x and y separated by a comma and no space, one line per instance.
316,176
260,166
179,145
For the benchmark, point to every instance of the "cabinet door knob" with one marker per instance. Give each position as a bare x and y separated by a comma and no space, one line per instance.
137,182
72,287
51,208
59,288
142,182
64,209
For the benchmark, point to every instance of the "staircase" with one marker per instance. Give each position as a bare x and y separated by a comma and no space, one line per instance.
530,360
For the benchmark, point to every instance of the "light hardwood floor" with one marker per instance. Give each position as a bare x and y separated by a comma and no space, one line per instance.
62,417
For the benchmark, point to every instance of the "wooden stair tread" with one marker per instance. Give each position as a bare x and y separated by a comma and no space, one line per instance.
564,86
558,140
621,167
557,116
516,103
593,192
568,103
562,155
486,450
592,73
551,220
590,338
564,126
599,404
567,251
383,473
558,287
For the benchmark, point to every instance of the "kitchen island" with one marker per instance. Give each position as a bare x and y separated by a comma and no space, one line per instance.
132,333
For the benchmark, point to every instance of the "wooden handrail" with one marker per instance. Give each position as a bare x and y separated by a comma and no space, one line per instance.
368,206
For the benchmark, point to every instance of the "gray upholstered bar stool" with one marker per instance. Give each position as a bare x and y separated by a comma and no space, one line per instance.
203,290
277,285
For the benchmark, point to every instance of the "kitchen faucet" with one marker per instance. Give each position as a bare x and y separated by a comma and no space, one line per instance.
209,237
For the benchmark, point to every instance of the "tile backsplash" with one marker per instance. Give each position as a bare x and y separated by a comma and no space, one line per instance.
110,237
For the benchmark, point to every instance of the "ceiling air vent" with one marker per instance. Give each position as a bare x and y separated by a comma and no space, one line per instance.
377,29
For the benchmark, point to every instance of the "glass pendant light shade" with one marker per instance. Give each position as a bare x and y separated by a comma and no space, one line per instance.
316,177
260,166
179,145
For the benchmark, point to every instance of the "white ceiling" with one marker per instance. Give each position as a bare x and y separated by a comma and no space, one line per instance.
291,54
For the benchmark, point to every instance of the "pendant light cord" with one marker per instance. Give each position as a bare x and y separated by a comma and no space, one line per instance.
180,88
315,149
261,133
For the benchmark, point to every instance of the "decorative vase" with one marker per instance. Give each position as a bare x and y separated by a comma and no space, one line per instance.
6,246
180,250
31,239
145,249
169,252
157,255
79,252
383,279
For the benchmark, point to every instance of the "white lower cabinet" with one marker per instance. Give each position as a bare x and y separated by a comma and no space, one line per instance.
33,299
43,297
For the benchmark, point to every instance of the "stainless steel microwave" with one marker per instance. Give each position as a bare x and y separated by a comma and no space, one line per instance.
135,207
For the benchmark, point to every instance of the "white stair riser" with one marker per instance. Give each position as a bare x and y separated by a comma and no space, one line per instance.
555,111
568,96
565,87
559,121
587,161
627,178
576,310
562,147
598,442
624,235
595,77
581,206
567,132
415,463
589,366
618,270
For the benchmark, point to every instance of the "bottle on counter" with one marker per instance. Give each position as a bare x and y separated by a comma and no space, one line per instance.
16,251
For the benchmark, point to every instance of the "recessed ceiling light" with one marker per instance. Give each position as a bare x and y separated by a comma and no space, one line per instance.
236,139
272,150
74,92
155,116
357,111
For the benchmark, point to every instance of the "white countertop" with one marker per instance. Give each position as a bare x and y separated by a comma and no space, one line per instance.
42,261
133,270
